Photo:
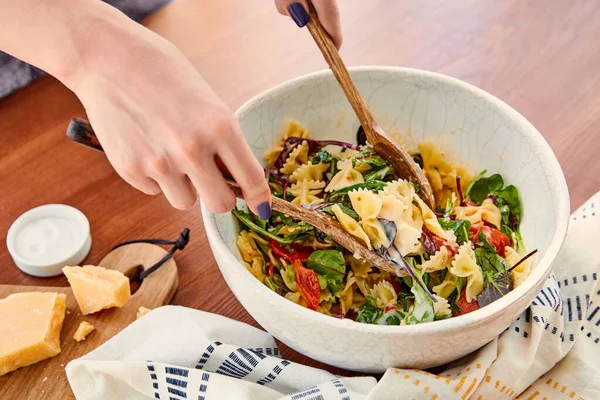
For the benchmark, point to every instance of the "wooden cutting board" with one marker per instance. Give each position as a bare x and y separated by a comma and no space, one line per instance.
47,379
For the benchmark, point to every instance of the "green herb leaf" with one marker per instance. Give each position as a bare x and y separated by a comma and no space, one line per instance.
369,313
380,174
323,157
330,266
393,319
374,161
346,210
342,194
482,241
460,227
246,219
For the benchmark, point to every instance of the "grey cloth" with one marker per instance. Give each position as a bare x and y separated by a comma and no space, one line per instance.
15,73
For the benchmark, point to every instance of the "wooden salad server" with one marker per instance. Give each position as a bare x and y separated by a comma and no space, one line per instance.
80,131
404,165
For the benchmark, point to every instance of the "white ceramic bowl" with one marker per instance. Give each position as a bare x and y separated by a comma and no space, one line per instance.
476,127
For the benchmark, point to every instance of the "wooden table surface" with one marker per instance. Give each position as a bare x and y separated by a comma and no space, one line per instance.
541,57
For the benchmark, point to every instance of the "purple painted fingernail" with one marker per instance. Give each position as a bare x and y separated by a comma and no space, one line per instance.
298,14
264,211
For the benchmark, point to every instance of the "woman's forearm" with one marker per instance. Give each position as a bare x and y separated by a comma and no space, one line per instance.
63,37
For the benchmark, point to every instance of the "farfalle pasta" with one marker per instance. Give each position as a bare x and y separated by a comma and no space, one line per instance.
462,255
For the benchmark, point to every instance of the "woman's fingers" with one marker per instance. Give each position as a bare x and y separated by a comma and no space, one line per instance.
329,15
213,189
327,10
178,189
143,184
248,173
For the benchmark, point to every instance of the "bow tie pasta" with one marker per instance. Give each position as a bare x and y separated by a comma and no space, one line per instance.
456,258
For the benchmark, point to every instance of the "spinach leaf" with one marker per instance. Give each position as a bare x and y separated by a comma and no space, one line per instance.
505,197
475,182
482,187
423,306
510,197
369,313
330,265
460,227
492,265
342,194
495,289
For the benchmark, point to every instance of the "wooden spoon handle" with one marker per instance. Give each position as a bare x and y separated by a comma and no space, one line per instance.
402,162
333,58
81,131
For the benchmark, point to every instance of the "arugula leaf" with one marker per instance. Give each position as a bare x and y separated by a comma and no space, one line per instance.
247,219
342,194
346,210
482,241
375,161
276,284
505,224
423,306
379,174
369,313
460,227
330,265
493,290
323,157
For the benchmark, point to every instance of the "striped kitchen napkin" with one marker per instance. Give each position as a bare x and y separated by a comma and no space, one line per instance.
551,351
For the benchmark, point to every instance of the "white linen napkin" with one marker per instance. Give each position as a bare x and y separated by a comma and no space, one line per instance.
552,351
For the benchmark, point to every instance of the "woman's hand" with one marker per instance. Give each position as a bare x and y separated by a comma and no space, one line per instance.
327,10
161,125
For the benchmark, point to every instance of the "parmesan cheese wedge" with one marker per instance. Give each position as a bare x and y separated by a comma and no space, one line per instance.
30,326
97,288
84,329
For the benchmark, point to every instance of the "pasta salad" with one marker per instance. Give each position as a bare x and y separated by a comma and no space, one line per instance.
463,255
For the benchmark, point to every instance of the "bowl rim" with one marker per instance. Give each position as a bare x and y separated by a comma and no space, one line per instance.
538,274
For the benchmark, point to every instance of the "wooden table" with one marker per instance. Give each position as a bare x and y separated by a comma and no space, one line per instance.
541,57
